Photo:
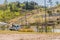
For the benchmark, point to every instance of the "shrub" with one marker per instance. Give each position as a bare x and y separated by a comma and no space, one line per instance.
49,28
26,30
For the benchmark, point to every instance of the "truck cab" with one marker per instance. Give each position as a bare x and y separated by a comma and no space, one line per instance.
15,27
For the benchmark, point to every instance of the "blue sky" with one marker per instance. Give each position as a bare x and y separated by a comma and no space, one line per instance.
40,2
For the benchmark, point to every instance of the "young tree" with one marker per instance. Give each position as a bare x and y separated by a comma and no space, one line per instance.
18,4
5,2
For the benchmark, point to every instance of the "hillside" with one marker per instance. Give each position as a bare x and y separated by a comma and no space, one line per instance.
30,14
37,16
15,9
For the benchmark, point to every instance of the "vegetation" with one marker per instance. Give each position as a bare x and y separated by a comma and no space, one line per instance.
26,30
15,9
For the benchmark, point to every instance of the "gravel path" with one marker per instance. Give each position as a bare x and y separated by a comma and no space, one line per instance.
29,37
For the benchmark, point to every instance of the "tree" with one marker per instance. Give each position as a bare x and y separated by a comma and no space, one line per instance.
14,6
3,18
5,2
26,5
3,27
57,3
11,8
49,12
29,5
18,4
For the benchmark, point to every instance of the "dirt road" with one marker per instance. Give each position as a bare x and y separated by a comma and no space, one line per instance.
29,37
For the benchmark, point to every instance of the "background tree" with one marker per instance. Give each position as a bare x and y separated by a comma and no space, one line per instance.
29,5
49,12
57,2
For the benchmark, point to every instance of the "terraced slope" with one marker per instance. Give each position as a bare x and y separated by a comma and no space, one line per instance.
29,17
36,16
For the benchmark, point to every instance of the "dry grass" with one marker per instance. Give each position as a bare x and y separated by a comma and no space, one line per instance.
17,32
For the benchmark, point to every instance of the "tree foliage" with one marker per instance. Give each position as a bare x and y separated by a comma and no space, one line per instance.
13,9
29,5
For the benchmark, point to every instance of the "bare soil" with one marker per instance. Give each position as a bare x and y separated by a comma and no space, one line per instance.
29,36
